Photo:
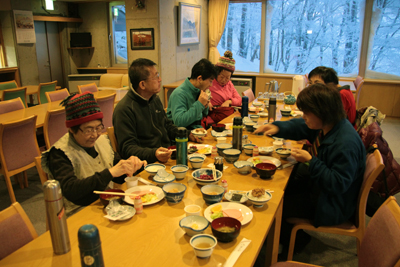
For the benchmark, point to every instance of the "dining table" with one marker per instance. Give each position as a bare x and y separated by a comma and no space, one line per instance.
41,109
154,237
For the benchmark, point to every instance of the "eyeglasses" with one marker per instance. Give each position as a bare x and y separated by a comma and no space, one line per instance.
224,78
91,130
155,78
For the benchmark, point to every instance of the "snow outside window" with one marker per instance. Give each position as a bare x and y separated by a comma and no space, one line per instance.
118,26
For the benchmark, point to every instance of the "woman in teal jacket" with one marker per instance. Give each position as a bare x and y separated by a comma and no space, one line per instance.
325,185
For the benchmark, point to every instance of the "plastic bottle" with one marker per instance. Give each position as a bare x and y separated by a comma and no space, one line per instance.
181,146
214,152
90,246
245,106
56,216
272,109
237,129
256,152
225,185
138,205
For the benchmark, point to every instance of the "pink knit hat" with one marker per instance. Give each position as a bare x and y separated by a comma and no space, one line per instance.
226,62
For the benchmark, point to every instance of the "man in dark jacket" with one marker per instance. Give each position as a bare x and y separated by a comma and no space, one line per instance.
140,124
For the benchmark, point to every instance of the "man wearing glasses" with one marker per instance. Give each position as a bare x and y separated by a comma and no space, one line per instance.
140,124
83,160
327,76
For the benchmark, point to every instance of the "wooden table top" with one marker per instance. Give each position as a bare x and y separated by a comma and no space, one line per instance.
41,110
154,237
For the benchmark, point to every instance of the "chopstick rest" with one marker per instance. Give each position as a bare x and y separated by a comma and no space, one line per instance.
237,252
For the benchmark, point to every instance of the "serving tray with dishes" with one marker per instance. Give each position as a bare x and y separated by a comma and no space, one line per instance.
150,194
264,159
230,209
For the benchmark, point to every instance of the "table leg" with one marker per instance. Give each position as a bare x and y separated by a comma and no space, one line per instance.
273,237
165,97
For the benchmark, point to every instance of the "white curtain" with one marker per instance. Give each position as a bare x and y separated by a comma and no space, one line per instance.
217,14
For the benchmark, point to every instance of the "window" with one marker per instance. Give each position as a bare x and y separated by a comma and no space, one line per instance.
385,35
118,29
242,35
295,36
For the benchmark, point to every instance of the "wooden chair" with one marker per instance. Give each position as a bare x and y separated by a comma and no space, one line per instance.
113,140
18,149
91,87
381,243
9,94
249,93
358,83
54,126
11,105
374,166
16,229
43,88
57,95
42,174
8,85
106,104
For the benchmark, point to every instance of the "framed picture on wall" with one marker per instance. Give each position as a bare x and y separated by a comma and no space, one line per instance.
142,39
189,24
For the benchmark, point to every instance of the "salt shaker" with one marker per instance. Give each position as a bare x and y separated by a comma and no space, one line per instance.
56,216
90,246
225,185
138,205
255,151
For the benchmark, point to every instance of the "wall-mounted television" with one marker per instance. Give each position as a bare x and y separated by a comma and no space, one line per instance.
80,39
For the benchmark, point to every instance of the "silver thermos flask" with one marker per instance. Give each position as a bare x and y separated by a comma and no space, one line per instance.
56,217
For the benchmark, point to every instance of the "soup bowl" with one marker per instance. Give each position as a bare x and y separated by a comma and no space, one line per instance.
196,162
284,153
231,155
249,126
179,171
152,169
223,146
226,229
174,192
203,245
212,193
219,127
265,170
248,149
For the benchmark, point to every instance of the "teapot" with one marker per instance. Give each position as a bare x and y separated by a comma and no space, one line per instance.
273,86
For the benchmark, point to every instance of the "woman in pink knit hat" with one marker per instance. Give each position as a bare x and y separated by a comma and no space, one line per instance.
223,93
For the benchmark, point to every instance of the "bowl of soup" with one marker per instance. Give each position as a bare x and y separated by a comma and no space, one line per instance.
106,198
265,170
203,245
152,169
174,192
196,162
226,229
212,193
222,146
219,127
179,171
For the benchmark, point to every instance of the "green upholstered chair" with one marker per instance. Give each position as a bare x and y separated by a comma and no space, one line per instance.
9,94
8,85
43,88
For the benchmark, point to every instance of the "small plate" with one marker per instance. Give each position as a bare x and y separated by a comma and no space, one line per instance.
157,190
246,212
202,149
265,150
228,196
131,211
277,162
219,134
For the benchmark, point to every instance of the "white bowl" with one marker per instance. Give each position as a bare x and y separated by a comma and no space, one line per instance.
231,155
199,132
179,171
196,162
212,193
257,104
244,167
208,171
254,118
194,224
259,201
200,239
266,150
197,155
248,149
153,168
286,112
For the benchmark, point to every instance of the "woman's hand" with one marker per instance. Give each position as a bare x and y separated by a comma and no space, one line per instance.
227,103
268,129
128,167
301,155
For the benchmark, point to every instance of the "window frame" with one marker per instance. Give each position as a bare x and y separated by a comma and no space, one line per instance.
111,35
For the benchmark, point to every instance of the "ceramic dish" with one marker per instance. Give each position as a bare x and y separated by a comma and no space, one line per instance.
201,149
275,161
265,150
153,168
199,132
228,196
246,212
197,173
131,211
253,109
151,188
257,104
162,178
219,134
263,114
259,201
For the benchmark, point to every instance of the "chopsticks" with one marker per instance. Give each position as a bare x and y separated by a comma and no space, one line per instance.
214,173
115,193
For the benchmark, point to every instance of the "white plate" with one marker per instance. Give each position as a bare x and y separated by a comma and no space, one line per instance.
277,162
196,133
246,212
219,134
265,150
131,211
207,148
228,196
157,190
